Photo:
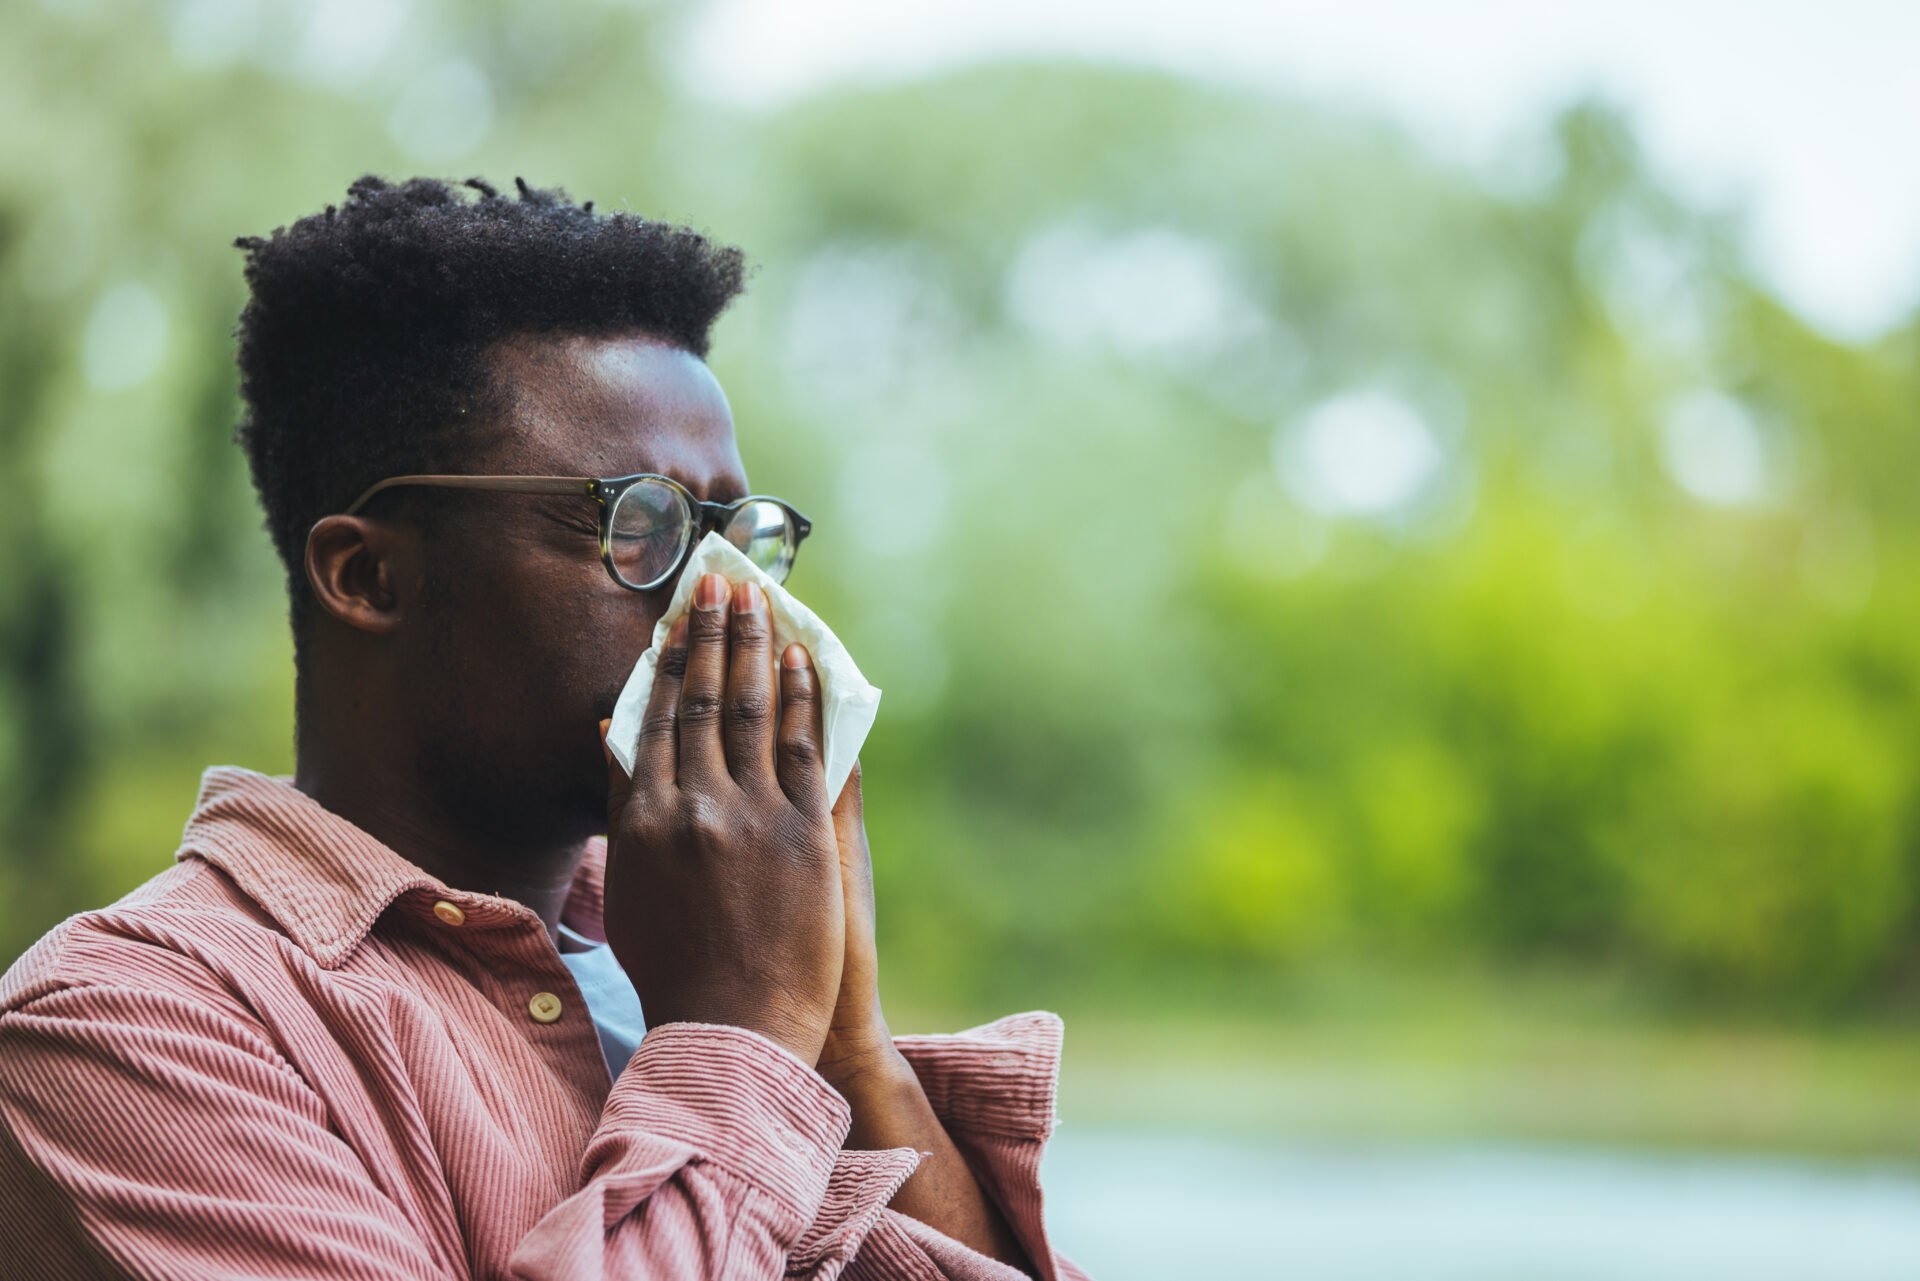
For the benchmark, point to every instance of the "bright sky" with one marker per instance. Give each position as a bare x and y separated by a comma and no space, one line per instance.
1805,111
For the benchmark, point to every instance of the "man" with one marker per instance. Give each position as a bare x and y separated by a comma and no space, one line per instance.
383,1020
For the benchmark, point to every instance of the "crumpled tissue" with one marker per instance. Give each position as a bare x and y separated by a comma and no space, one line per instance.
848,703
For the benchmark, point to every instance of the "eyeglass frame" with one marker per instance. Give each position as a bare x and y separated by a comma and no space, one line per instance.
606,492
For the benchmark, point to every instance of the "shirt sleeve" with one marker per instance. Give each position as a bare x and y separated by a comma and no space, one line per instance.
993,1088
145,1134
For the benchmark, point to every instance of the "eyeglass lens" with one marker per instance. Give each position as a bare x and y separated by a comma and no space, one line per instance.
764,534
652,524
648,531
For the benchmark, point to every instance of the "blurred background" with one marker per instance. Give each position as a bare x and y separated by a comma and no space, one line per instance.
1394,533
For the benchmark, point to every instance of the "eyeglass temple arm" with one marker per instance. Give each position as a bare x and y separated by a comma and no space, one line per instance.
501,484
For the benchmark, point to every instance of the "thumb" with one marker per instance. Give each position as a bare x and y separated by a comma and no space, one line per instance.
849,808
856,859
850,831
618,782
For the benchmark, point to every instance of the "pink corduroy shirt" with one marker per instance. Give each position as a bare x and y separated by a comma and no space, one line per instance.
295,1054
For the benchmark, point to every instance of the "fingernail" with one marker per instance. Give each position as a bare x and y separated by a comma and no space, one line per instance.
711,592
746,597
795,657
677,634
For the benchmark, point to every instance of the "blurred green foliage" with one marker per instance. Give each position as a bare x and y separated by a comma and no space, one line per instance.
1041,348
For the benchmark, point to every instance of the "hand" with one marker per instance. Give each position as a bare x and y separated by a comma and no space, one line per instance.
889,1107
724,901
858,1045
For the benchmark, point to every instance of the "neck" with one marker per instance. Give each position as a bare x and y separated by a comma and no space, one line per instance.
395,808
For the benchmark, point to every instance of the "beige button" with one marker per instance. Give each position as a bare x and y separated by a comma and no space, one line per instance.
449,912
545,1007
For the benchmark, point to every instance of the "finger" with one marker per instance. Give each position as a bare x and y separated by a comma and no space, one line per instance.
746,723
655,758
701,756
798,755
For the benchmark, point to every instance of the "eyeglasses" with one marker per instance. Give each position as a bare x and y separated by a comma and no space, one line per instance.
648,523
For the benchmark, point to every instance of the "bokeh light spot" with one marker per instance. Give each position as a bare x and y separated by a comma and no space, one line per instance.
1712,449
443,114
1360,453
895,496
126,338
1153,293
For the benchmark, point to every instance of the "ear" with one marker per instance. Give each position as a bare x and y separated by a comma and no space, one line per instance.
362,570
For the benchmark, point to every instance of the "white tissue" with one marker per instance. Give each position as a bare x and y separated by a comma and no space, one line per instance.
848,702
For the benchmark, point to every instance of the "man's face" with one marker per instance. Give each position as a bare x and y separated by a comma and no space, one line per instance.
526,640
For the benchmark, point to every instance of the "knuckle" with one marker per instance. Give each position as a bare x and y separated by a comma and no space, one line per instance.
707,821
797,751
749,707
640,819
673,663
706,626
699,708
750,628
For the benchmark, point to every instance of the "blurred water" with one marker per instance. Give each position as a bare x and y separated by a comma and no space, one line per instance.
1140,1205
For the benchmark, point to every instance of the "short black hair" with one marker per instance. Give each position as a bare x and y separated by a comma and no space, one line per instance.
362,347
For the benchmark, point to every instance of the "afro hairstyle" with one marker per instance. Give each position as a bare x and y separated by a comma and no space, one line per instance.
363,344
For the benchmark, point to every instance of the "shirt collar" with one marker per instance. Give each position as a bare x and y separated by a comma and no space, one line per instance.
324,880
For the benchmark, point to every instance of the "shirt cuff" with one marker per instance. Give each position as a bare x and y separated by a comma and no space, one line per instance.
857,1194
998,1079
993,1088
735,1099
